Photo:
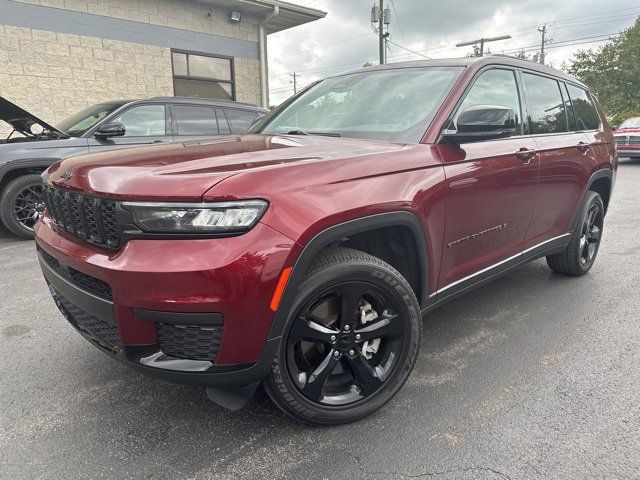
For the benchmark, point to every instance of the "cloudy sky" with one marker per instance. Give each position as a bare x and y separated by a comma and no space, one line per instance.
344,40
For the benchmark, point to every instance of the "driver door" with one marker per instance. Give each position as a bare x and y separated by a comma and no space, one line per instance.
491,189
144,125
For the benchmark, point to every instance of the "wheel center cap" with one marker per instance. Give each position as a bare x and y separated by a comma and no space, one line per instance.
346,341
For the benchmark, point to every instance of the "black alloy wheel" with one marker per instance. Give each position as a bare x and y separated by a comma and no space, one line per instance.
28,206
351,340
22,204
591,233
580,254
345,343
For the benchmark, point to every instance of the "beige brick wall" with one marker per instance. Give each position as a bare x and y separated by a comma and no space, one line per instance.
54,75
247,76
185,14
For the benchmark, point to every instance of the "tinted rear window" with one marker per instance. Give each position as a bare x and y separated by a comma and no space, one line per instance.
194,120
548,114
586,114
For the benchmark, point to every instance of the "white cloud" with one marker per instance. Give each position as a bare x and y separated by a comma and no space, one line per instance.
344,40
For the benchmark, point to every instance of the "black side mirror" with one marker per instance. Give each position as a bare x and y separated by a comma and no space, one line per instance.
113,129
482,122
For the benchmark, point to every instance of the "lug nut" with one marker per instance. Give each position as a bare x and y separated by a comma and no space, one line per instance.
346,328
336,353
333,338
351,353
358,336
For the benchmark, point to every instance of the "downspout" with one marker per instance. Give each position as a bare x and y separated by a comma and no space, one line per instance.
262,33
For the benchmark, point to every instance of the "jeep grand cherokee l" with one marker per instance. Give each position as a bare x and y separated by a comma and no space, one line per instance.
32,145
302,255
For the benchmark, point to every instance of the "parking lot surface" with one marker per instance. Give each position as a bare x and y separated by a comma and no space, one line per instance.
534,376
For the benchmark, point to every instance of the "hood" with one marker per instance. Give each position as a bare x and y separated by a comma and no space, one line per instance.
23,121
627,131
185,171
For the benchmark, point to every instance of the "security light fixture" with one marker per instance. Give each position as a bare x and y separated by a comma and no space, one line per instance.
235,17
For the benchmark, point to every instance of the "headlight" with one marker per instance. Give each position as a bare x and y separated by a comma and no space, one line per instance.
196,217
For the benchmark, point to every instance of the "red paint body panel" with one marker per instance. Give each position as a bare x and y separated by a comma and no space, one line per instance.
233,276
313,183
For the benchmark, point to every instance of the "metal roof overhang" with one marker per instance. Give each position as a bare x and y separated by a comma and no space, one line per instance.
290,15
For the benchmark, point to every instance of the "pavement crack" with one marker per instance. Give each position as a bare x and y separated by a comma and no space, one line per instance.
387,473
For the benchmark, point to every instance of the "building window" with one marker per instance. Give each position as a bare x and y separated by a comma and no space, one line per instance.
204,76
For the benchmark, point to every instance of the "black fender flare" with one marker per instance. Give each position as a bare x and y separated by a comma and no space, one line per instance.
337,233
35,163
607,173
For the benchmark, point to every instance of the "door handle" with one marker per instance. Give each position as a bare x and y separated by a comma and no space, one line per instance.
583,147
525,154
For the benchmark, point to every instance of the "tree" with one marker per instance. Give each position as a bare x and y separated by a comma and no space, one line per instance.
476,51
613,71
521,54
367,65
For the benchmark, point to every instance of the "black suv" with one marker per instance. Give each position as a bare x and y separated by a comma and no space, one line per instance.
32,145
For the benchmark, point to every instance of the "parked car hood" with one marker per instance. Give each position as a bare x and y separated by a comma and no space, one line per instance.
627,131
185,171
23,121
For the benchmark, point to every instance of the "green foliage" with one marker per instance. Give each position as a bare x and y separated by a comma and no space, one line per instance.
476,51
613,71
366,65
521,54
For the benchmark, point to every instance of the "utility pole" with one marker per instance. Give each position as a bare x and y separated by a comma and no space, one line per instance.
380,20
482,41
381,32
295,77
543,32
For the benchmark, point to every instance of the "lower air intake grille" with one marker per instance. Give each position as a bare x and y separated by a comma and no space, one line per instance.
102,332
87,282
192,342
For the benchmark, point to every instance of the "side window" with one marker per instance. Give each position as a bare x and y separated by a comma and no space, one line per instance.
240,120
195,120
569,107
144,121
497,88
548,114
223,125
586,114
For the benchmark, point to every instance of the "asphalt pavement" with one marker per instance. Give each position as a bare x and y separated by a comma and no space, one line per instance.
534,376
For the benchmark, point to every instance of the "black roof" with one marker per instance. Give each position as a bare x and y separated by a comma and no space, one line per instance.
479,62
201,101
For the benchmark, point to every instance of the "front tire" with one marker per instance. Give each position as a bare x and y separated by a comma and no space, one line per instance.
350,343
583,247
22,204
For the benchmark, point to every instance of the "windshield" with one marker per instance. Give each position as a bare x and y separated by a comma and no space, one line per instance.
395,105
631,123
79,123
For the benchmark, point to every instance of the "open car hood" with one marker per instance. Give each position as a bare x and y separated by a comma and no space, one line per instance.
23,121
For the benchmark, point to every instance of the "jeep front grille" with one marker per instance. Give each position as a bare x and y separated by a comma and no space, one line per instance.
91,219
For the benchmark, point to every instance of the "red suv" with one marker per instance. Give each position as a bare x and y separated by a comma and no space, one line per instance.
302,255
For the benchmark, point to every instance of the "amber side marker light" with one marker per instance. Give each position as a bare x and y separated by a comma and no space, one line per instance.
277,295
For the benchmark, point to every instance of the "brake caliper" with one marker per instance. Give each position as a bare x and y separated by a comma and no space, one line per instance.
368,314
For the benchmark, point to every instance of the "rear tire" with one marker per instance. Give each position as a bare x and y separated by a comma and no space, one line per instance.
582,250
324,371
21,204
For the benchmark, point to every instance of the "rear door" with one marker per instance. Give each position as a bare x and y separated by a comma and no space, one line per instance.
566,157
491,188
144,124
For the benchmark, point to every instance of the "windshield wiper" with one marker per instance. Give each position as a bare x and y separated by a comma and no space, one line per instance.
325,134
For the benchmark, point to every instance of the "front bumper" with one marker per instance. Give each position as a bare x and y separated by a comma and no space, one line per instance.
162,306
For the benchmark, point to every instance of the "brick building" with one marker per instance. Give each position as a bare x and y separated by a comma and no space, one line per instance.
59,56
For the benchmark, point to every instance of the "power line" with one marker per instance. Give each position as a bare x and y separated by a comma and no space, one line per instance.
408,49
